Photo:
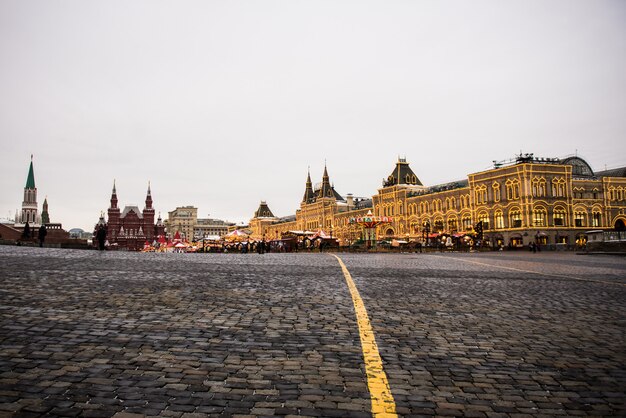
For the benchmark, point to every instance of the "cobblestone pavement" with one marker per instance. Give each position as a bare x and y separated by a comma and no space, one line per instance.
84,333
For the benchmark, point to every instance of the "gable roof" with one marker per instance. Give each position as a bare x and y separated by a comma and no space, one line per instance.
402,174
135,209
263,211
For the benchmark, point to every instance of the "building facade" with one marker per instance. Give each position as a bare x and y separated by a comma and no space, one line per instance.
527,200
185,221
131,228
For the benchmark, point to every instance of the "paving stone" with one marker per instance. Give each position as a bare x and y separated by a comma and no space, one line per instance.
100,334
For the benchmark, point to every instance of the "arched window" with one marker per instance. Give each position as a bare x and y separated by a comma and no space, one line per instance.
558,187
580,219
481,194
484,218
498,219
596,219
452,226
515,219
539,217
467,222
559,217
496,191
512,189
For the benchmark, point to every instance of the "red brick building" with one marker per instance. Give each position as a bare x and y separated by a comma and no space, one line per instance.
131,228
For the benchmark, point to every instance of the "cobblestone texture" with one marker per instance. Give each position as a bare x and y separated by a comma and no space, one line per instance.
84,333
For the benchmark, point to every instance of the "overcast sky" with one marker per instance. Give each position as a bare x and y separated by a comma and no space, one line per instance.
223,104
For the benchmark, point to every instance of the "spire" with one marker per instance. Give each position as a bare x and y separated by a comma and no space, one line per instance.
45,216
308,190
114,197
326,189
149,198
30,180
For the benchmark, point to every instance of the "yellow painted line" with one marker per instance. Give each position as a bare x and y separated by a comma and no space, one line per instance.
560,276
383,404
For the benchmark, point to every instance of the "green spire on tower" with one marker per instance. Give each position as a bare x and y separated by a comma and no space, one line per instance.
30,181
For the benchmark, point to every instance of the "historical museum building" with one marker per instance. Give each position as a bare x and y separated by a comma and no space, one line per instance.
528,199
131,228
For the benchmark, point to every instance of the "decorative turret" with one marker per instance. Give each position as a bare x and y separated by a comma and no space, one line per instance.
326,189
402,174
114,197
114,216
263,211
308,191
148,216
149,198
45,217
159,228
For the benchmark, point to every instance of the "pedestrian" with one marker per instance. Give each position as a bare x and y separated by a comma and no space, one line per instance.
101,236
42,234
26,231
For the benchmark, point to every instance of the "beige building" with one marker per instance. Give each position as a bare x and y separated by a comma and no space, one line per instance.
543,200
184,220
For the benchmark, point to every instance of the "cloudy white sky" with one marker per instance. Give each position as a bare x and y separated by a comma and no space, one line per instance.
221,104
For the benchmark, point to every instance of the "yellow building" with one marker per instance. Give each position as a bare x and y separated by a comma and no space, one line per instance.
527,200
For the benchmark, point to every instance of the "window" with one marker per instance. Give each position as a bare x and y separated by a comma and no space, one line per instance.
539,217
516,219
467,222
452,224
481,194
579,219
512,189
496,191
538,187
499,220
484,218
438,225
559,217
558,187
596,219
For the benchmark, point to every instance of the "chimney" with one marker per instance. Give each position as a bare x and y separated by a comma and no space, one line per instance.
350,201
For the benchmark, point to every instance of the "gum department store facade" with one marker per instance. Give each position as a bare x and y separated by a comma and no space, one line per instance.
542,200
